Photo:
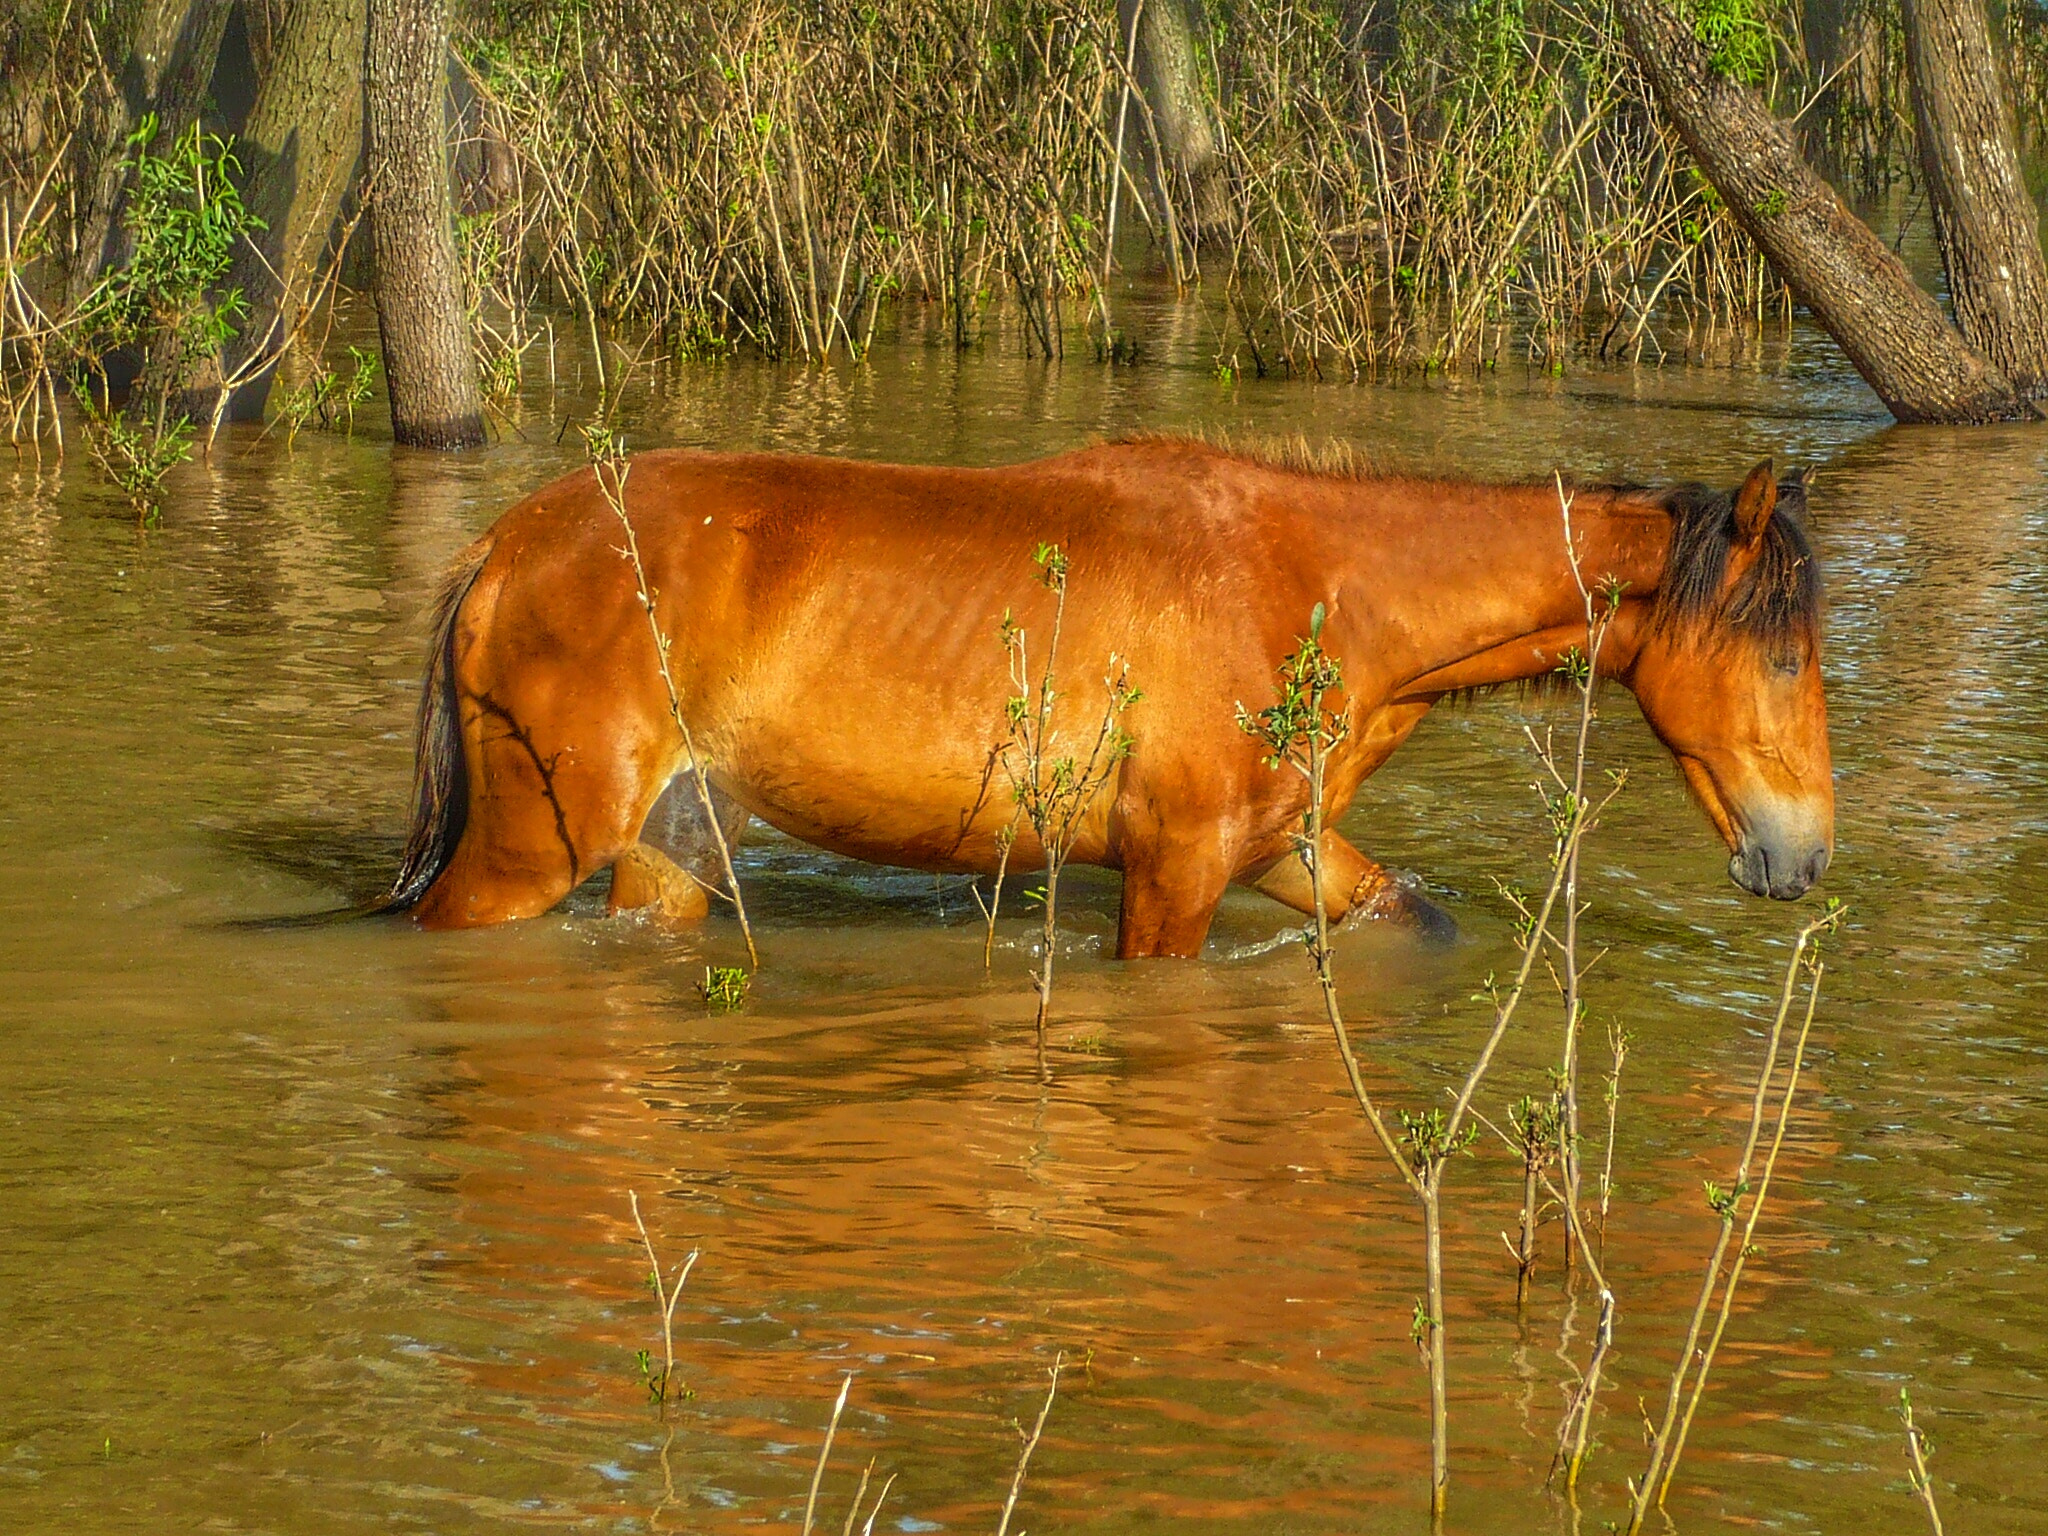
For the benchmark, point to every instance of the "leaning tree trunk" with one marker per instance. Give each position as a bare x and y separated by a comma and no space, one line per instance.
1990,230
1185,140
161,53
428,365
300,150
1894,334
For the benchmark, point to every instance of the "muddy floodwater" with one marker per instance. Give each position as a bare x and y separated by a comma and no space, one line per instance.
325,1228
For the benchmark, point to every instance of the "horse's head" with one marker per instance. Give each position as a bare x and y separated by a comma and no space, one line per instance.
1728,676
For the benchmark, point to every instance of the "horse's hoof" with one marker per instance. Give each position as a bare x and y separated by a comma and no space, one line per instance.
647,877
1400,901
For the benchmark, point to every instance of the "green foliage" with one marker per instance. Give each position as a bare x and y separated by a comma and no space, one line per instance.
1428,1140
1299,720
133,452
1736,37
724,987
1537,1124
184,217
1722,1202
326,399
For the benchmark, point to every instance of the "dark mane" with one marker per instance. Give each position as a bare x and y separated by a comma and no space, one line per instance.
1777,603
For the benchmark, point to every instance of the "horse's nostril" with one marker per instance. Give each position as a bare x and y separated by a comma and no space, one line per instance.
1816,865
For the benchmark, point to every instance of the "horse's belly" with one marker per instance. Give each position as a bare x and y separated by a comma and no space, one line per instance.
932,820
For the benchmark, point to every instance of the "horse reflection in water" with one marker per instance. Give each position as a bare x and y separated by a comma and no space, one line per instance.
834,634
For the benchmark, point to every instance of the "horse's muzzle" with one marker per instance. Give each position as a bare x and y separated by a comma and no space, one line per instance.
1782,871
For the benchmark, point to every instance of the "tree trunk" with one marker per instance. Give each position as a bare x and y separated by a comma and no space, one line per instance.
300,147
1990,230
1187,157
1894,334
429,366
163,53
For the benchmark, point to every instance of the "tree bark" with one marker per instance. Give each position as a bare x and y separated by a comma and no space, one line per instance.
1184,132
162,52
1990,230
300,147
429,367
1894,334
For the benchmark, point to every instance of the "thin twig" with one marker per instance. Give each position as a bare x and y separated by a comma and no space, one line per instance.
825,1453
1919,1450
665,1298
1030,1445
1656,1477
606,458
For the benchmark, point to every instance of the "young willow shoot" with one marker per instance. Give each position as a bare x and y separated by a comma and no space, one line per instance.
1566,803
723,988
1918,1449
1028,1445
1731,1253
608,463
327,400
1055,792
658,1387
1299,731
1006,840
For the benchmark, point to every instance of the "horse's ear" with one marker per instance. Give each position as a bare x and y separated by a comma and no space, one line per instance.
1754,504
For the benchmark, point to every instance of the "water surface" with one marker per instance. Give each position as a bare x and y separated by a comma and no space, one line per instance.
326,1229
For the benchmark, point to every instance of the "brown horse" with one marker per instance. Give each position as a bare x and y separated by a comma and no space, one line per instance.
835,650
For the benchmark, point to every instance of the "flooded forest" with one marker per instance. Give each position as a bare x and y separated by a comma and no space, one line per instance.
1023,765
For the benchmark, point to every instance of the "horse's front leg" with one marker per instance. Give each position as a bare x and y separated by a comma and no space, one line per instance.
1353,887
1170,844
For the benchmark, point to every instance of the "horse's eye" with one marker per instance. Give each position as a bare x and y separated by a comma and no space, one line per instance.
1788,666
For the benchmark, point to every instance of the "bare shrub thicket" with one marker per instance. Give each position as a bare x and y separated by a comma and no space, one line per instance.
1420,184
743,170
1463,184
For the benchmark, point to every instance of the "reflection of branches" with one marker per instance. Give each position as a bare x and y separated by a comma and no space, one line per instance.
1723,1272
544,766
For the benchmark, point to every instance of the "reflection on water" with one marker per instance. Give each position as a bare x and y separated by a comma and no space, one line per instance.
325,1227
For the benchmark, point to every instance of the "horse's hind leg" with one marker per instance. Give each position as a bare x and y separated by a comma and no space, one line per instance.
551,802
644,876
678,827
1354,887
676,865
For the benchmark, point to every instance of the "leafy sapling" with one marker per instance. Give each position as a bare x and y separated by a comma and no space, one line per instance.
1055,791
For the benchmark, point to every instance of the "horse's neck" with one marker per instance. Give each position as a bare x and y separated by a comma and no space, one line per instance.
1480,586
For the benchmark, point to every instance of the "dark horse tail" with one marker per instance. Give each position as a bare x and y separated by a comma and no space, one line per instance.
440,791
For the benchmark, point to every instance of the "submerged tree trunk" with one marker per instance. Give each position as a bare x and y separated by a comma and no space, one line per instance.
1187,158
1989,228
161,54
429,366
1893,332
300,148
